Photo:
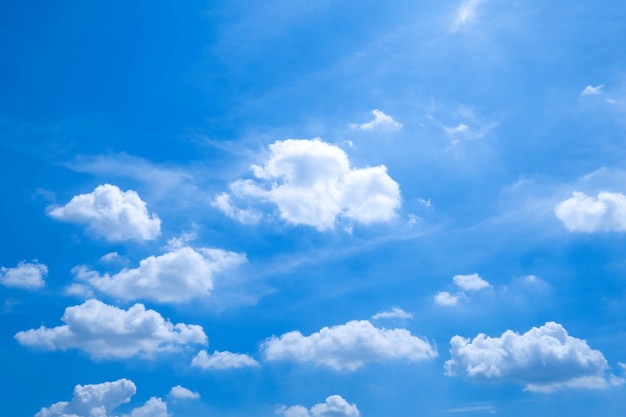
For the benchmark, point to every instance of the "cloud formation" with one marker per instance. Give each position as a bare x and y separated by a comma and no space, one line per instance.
224,203
466,13
380,120
183,393
311,182
394,313
544,359
25,275
175,277
444,298
110,213
222,360
348,346
470,282
591,90
334,406
108,332
582,213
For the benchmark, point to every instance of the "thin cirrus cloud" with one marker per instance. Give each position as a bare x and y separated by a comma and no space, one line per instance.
591,90
174,277
394,313
334,406
544,359
110,213
26,275
312,183
223,360
588,214
349,346
102,399
381,120
104,331
466,14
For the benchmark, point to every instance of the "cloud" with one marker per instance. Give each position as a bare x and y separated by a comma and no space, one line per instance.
348,346
25,275
224,203
444,298
183,393
108,332
110,213
592,91
471,282
99,400
466,13
311,182
395,313
461,128
334,406
174,277
380,120
580,213
544,359
222,360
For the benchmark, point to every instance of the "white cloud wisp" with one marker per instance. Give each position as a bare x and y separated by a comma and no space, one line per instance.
25,275
582,213
223,360
334,406
380,120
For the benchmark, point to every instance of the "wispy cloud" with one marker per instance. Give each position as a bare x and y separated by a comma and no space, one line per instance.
592,91
466,14
380,120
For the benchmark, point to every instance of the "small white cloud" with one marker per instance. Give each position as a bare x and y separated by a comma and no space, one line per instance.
444,298
104,331
604,213
183,393
471,282
112,257
395,313
110,213
466,13
222,360
380,120
25,275
334,406
461,128
154,407
592,91
224,203
545,358
348,346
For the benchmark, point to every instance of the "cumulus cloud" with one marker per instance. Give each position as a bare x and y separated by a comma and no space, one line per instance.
444,298
177,276
311,182
154,407
183,393
25,275
223,360
592,91
108,332
380,120
471,282
348,346
466,13
544,359
334,406
394,313
224,203
581,213
110,213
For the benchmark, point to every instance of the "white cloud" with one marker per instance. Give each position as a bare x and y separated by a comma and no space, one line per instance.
348,346
25,275
334,406
224,203
104,331
395,313
592,91
471,282
466,13
174,277
580,213
313,184
110,213
461,128
444,298
183,393
545,358
99,400
223,360
380,120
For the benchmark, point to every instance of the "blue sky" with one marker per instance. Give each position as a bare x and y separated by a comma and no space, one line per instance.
313,209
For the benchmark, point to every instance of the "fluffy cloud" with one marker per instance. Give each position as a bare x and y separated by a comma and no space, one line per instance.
99,400
183,393
177,276
395,313
222,360
580,213
224,203
471,282
444,298
592,91
334,406
311,182
104,331
348,346
25,275
544,359
110,213
380,120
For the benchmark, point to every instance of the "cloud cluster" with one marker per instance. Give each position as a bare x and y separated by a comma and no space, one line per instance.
334,406
380,120
469,282
25,275
105,331
582,213
348,346
311,182
174,277
110,213
222,360
543,359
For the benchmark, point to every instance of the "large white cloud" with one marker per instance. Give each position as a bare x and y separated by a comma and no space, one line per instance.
177,276
25,275
111,213
582,213
348,346
223,360
543,359
311,182
105,331
334,406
